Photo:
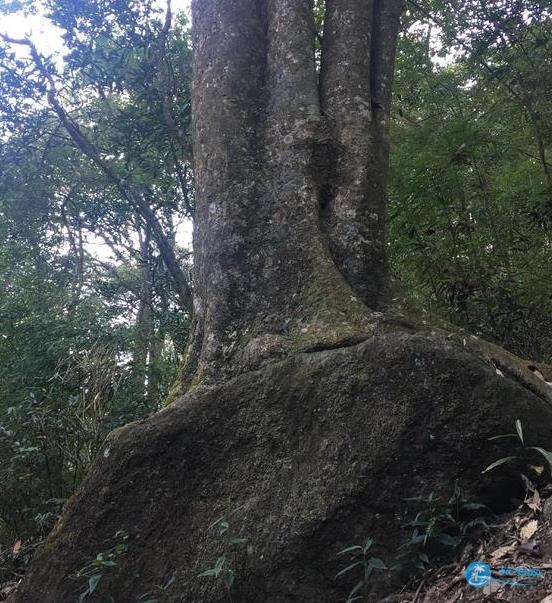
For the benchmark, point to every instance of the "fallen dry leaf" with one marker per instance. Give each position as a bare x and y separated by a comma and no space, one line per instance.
502,552
8,588
532,496
491,588
528,530
16,548
535,503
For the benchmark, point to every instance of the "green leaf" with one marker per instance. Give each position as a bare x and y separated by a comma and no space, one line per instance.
350,549
478,521
417,538
501,461
504,435
229,579
519,431
368,545
348,568
475,507
355,590
221,523
423,557
377,563
239,540
93,582
447,540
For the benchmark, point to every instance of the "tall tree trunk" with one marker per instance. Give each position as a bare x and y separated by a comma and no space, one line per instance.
289,235
155,348
144,317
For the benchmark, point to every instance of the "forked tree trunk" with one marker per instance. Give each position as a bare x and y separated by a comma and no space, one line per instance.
290,169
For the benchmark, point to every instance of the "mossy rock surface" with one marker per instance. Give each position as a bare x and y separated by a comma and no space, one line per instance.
303,457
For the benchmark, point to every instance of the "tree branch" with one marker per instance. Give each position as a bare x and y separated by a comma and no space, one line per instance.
175,134
135,200
77,248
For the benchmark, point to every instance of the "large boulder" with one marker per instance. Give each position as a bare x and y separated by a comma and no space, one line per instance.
302,458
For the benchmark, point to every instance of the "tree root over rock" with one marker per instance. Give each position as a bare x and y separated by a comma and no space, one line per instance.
303,458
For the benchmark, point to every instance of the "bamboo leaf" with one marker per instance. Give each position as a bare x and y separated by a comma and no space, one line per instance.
519,431
496,464
348,568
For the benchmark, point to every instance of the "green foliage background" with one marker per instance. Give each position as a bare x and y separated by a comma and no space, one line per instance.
471,194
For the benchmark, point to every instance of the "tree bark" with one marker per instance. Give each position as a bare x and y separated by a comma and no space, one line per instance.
143,328
358,53
289,235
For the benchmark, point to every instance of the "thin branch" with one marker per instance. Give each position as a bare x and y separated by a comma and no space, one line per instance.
76,247
167,90
88,148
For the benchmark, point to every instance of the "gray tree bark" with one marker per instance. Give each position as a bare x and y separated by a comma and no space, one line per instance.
290,169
